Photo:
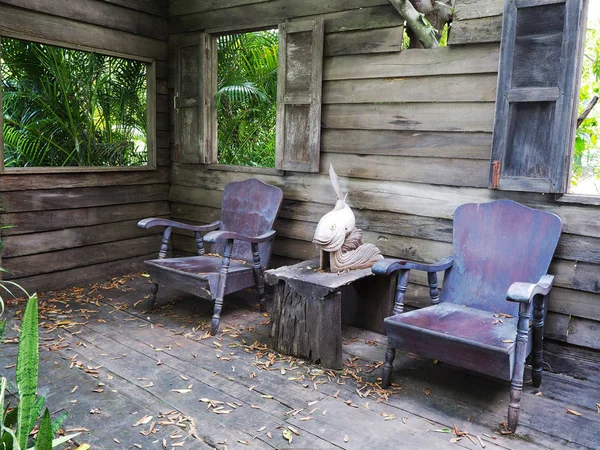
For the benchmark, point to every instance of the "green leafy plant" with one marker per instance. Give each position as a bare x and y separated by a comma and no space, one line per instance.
66,107
247,98
586,156
17,423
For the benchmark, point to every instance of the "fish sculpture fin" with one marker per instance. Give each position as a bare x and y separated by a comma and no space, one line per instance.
335,182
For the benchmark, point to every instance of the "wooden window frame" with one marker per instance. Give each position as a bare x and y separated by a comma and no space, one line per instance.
150,113
210,124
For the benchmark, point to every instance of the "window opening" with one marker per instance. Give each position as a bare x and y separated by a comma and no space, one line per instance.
586,158
64,107
246,98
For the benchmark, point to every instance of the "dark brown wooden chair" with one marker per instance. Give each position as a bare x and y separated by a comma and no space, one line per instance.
244,239
490,313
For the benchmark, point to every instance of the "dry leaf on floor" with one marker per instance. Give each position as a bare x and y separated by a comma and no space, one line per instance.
74,389
287,435
143,421
346,438
539,394
181,391
573,412
507,341
598,407
427,391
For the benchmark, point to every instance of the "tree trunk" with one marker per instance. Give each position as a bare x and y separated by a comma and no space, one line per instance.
424,33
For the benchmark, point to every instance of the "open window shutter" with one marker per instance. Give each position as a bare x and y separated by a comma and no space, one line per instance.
536,106
194,102
299,95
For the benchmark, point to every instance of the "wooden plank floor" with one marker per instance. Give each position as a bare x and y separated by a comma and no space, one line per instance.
113,366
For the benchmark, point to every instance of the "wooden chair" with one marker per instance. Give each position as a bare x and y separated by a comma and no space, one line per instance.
502,251
244,239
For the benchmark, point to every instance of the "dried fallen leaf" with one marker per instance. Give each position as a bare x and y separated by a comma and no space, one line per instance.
346,438
261,428
598,407
143,421
427,391
116,440
573,412
243,442
83,447
74,389
507,341
181,391
287,435
293,430
539,394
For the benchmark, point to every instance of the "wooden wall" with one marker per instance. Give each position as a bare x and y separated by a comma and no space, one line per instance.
409,132
72,228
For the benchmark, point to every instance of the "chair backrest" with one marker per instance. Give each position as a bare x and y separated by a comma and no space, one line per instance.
495,245
250,207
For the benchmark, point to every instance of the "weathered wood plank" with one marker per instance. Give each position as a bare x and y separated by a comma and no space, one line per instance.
49,199
181,7
446,171
39,221
586,277
556,327
157,7
263,14
475,9
384,16
380,40
84,274
408,198
451,88
415,62
101,13
24,24
60,260
19,182
579,248
476,31
30,244
584,332
411,116
576,303
403,197
407,143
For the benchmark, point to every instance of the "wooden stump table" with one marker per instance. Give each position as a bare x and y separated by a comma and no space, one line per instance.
311,305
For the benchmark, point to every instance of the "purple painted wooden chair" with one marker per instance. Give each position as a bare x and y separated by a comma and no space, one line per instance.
245,236
490,314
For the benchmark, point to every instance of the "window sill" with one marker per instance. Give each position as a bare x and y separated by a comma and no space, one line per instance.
246,169
83,169
579,199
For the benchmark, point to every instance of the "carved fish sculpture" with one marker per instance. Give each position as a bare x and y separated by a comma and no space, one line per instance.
334,226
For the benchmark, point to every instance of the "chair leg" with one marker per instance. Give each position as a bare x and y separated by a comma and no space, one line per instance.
259,277
151,302
516,385
223,270
539,305
388,366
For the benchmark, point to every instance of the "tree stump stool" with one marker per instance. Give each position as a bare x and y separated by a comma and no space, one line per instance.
311,305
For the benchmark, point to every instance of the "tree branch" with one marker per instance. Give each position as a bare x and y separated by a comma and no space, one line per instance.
587,111
416,21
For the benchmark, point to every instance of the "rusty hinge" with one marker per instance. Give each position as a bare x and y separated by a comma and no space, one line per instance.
495,174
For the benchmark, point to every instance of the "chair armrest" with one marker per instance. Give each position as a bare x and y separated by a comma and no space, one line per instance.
388,266
154,222
524,292
215,236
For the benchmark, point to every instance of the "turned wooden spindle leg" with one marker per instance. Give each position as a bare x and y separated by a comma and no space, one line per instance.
259,277
199,243
401,291
388,367
223,270
434,292
164,244
539,305
516,385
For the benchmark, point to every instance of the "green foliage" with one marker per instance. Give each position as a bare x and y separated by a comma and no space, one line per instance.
247,98
25,415
586,157
71,108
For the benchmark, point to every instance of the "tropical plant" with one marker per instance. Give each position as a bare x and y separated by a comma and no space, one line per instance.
586,157
246,98
66,107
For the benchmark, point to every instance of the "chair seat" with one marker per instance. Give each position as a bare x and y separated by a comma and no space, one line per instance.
199,275
459,335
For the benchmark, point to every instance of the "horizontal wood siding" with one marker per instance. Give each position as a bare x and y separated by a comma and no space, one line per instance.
409,133
72,228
